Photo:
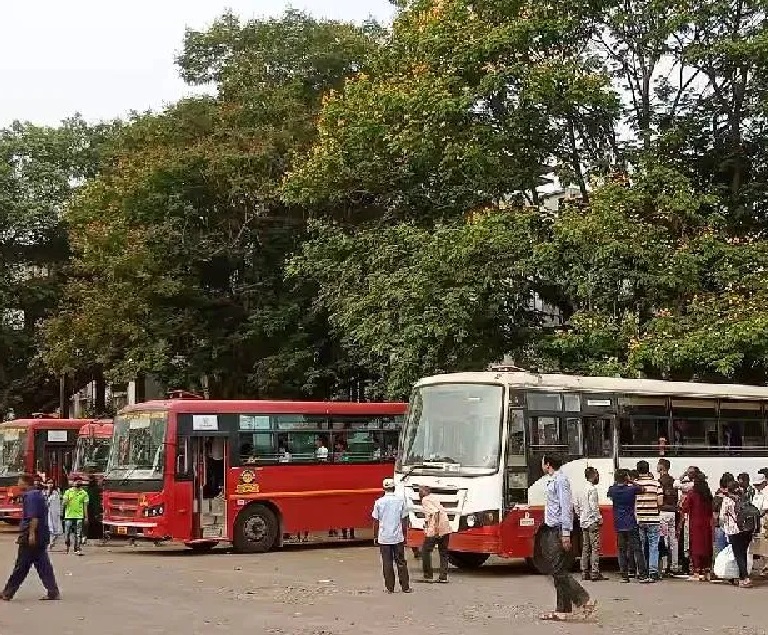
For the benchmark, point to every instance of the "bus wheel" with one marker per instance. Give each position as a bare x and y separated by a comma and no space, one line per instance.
255,530
462,560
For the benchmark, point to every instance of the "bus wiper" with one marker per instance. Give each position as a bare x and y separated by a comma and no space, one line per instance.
443,459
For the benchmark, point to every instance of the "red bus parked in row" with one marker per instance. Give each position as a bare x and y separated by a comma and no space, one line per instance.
92,451
43,445
246,472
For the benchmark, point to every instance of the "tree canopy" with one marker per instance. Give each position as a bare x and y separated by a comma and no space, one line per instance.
580,185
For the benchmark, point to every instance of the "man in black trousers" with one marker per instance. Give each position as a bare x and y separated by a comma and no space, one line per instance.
34,535
554,545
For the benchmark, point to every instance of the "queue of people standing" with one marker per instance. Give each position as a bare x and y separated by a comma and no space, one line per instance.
664,527
668,527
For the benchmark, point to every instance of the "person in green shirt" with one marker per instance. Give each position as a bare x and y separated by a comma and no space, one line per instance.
75,502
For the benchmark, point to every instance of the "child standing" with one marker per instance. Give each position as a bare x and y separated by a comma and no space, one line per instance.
587,509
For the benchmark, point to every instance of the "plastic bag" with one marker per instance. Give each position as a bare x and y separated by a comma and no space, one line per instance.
725,564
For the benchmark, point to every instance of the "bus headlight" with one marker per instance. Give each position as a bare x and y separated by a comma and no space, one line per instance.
479,519
156,510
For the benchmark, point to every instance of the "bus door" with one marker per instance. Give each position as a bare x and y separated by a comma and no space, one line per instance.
599,432
209,461
54,454
546,434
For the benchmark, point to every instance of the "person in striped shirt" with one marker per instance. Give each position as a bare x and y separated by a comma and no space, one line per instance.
648,511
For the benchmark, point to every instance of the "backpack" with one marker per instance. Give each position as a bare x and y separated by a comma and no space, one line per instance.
747,516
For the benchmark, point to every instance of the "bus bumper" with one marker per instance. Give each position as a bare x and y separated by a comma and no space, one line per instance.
476,540
10,513
134,530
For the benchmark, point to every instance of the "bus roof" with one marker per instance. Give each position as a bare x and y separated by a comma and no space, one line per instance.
101,429
47,423
576,383
210,406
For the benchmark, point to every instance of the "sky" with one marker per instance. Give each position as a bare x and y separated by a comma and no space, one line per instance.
104,58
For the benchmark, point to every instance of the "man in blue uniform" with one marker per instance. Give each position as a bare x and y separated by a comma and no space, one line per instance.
34,535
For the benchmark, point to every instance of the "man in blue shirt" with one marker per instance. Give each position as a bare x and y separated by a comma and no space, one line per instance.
554,544
33,543
390,524
624,493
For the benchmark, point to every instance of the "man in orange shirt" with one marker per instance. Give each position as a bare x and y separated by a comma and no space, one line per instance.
437,532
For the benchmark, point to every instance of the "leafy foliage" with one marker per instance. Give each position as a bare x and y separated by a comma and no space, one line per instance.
179,245
39,170
357,208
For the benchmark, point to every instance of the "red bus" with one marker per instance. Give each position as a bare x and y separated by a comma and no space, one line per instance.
247,472
44,445
92,451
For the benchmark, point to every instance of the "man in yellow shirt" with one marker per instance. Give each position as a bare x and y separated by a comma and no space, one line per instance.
75,503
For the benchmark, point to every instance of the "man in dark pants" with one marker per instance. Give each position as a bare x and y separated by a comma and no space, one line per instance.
33,540
554,538
390,524
624,493
437,533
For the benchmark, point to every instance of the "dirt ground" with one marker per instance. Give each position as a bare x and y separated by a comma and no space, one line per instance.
337,590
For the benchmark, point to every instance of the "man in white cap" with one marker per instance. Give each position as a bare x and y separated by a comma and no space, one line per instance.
390,524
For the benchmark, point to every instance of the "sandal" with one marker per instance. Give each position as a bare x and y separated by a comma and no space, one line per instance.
588,609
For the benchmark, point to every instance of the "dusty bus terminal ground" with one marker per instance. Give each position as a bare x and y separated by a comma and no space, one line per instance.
337,590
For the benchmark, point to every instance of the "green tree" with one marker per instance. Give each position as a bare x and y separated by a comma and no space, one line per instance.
40,168
408,301
179,245
468,104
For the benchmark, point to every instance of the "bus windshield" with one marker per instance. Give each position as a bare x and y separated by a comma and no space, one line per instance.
454,427
138,445
12,442
91,455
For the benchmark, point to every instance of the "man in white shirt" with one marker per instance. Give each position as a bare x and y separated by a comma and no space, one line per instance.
587,508
390,524
321,452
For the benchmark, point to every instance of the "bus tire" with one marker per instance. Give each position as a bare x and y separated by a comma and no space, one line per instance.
463,560
256,530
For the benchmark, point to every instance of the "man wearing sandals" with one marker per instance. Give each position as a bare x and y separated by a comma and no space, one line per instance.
554,537
437,533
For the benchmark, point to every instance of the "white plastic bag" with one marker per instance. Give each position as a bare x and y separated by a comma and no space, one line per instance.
725,564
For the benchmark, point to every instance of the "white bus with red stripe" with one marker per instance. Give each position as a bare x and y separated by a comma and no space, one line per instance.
477,439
